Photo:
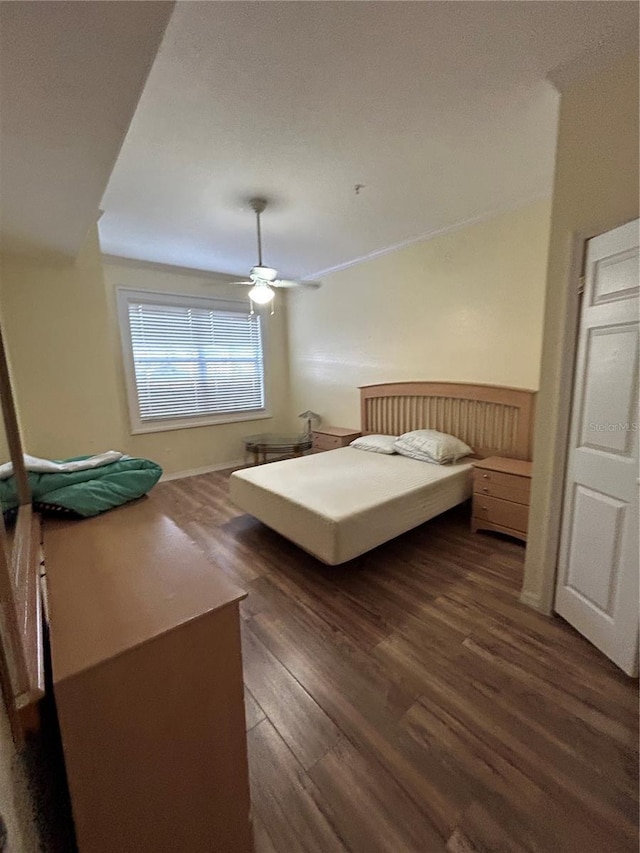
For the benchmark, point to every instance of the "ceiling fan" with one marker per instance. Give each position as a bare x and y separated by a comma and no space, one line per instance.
263,278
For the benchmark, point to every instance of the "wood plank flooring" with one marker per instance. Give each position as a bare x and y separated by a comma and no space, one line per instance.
406,702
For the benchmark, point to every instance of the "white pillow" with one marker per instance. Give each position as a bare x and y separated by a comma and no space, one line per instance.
428,445
375,443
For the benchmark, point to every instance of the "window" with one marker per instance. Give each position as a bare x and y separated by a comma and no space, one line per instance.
190,361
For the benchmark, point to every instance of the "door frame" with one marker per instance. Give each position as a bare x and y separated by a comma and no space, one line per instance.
568,342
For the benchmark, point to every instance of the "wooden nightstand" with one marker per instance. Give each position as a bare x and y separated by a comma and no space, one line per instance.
328,438
501,490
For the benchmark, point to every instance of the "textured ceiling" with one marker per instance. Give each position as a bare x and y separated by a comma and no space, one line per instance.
70,78
442,110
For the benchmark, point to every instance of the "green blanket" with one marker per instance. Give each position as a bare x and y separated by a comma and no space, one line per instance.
86,493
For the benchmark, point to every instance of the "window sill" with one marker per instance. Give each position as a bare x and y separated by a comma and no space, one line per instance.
192,423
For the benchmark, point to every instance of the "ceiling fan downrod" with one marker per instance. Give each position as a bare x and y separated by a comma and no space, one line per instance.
258,205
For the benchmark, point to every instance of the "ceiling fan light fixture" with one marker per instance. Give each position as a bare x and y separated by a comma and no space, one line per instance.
261,294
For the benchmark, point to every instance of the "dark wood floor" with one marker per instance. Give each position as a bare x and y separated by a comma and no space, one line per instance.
407,701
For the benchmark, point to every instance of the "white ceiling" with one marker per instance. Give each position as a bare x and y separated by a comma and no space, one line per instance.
70,78
442,110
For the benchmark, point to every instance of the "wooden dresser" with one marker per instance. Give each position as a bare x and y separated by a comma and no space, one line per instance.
147,676
501,489
329,438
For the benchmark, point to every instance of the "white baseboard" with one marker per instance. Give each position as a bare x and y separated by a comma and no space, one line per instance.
206,469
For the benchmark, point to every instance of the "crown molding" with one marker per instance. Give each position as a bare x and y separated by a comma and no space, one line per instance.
121,260
410,241
430,235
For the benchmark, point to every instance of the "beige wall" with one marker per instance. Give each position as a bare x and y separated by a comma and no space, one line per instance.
596,189
465,306
55,322
63,340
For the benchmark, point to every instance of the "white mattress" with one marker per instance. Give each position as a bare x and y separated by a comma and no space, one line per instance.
339,504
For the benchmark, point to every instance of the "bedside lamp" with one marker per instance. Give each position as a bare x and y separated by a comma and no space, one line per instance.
312,419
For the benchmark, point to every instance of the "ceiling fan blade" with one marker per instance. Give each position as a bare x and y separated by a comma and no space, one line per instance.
242,282
283,282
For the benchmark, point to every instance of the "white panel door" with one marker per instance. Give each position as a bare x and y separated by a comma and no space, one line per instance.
597,586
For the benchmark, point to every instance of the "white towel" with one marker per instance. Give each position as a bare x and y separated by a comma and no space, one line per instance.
46,466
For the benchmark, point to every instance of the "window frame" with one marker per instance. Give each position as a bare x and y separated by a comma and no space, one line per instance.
126,295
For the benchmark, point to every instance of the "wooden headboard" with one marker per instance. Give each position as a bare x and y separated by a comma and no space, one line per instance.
494,420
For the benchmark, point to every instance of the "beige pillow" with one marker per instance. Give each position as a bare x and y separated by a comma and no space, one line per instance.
429,445
375,443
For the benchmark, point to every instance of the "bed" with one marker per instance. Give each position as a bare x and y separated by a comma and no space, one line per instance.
339,504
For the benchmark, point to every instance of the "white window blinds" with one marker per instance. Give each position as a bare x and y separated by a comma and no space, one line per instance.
192,360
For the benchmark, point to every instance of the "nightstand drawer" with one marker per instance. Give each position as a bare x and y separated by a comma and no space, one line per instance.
321,441
498,485
504,513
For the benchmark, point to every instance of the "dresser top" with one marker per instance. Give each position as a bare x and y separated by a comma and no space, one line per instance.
520,467
119,580
338,431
